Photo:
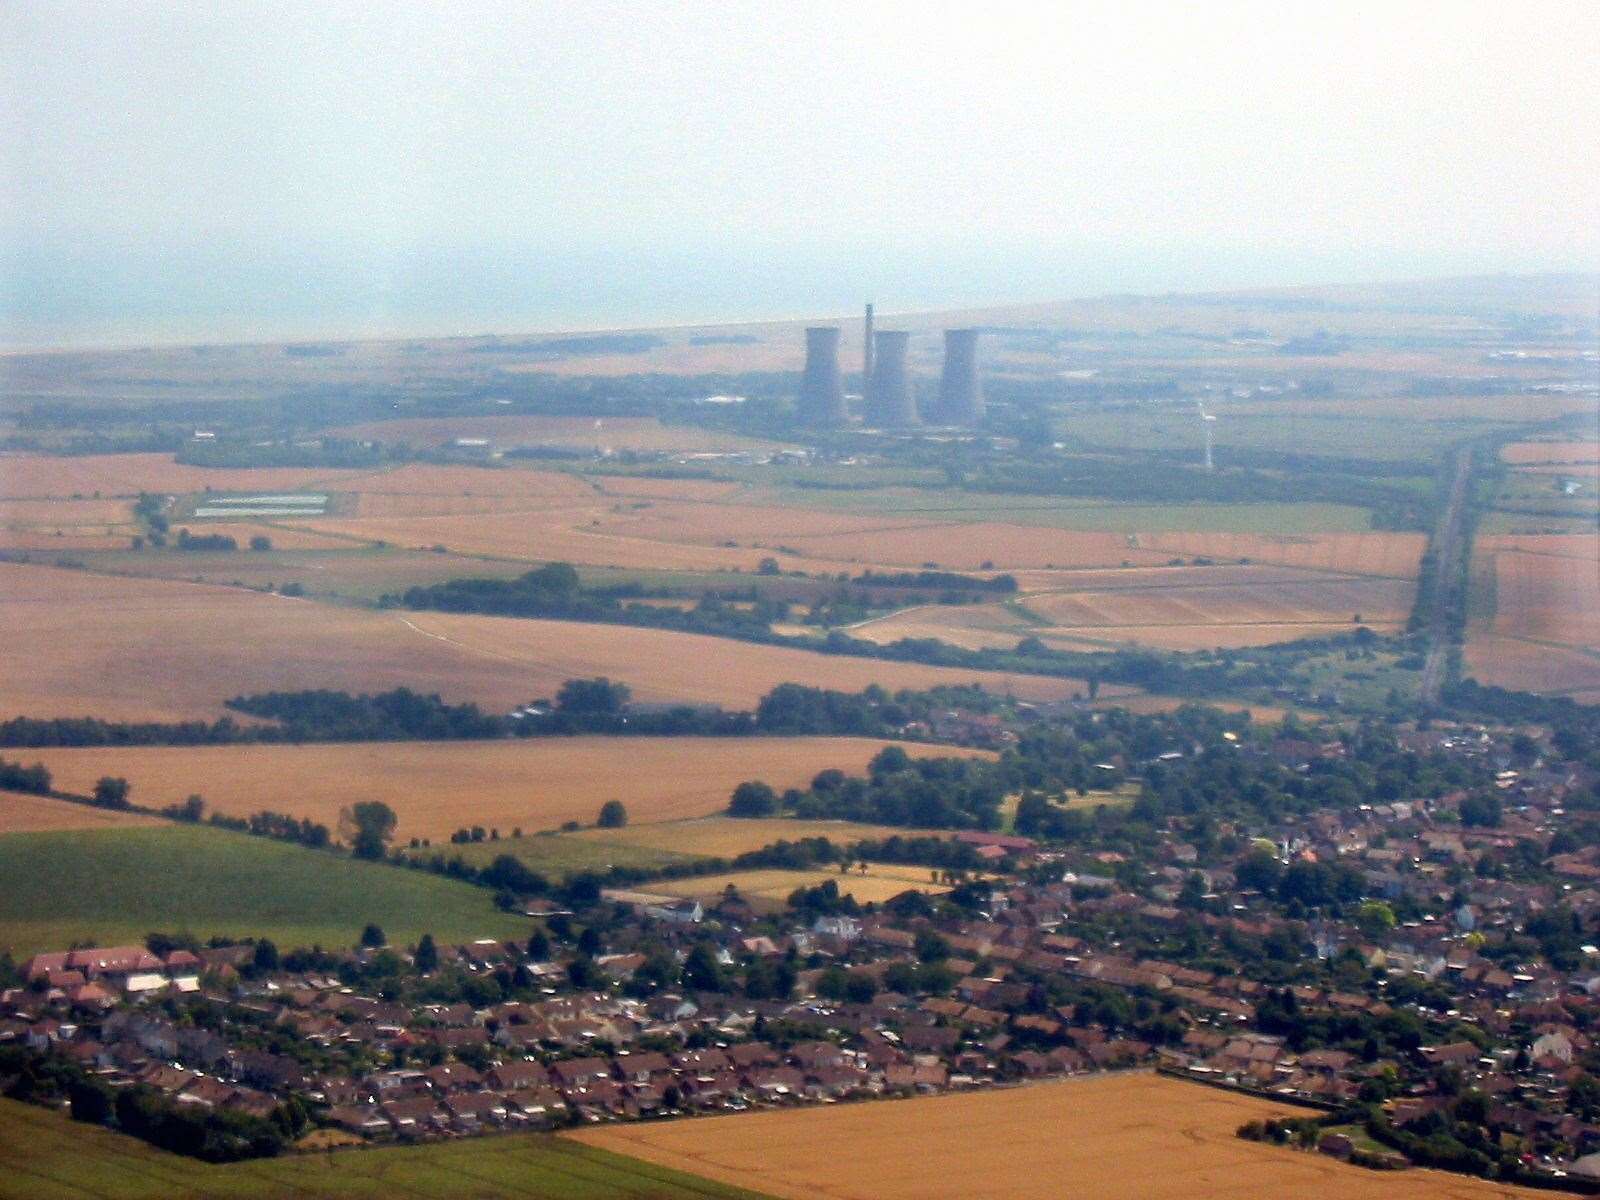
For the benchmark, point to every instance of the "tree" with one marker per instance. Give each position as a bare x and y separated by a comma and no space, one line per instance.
1375,918
370,824
539,946
891,760
111,792
427,956
701,970
372,937
613,815
265,957
768,566
592,697
1480,811
586,974
261,542
753,799
1260,870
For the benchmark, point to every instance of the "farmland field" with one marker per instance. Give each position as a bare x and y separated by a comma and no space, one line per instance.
1542,453
662,843
771,888
692,668
146,649
439,787
619,433
45,1156
74,524
21,812
1181,608
1116,1137
41,476
1541,630
113,886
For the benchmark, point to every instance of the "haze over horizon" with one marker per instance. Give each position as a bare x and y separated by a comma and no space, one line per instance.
185,173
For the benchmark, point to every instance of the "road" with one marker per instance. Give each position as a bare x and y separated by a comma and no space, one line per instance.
1449,580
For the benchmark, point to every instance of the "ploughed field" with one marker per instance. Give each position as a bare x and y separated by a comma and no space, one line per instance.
436,788
1538,630
1114,1137
1179,608
149,649
45,1156
114,886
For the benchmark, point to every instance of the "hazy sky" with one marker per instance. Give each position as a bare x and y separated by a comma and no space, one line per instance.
234,170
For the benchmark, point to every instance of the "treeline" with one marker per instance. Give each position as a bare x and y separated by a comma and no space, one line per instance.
581,706
395,715
945,580
939,793
14,777
555,592
1575,727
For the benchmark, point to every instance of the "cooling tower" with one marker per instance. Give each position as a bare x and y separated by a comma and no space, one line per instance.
821,387
890,402
960,396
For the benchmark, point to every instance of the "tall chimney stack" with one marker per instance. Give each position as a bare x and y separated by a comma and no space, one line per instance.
821,386
866,352
890,402
960,395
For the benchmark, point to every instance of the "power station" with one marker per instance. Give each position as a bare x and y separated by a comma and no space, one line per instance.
960,394
821,386
888,390
891,404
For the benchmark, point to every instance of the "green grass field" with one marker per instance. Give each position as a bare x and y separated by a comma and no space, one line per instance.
114,886
45,1156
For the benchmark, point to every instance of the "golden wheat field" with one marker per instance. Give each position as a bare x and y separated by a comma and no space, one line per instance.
40,476
439,787
1113,1137
155,649
1545,632
23,813
557,533
770,889
725,837
1180,608
665,666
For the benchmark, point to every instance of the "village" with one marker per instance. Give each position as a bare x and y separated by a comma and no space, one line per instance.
1406,969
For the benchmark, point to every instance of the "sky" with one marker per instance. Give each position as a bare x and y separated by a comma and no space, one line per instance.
244,171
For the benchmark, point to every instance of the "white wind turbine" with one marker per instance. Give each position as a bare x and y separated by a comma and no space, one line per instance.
1206,422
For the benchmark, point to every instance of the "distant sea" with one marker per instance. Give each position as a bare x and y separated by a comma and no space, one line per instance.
87,296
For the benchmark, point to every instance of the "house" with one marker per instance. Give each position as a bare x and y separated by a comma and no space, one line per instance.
414,1116
472,1110
517,1076
579,1072
846,929
364,1120
676,912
